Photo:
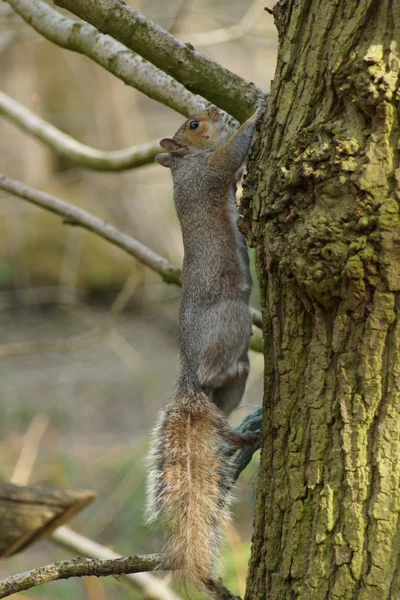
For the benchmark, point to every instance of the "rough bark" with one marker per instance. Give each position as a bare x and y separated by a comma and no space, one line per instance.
322,209
29,513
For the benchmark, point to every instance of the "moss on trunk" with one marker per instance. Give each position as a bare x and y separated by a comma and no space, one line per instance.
322,209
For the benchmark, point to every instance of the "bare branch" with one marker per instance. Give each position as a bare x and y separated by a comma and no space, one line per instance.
77,216
79,567
73,215
110,54
149,585
89,567
85,156
195,71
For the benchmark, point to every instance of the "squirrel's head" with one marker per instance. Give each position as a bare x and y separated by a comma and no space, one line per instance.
201,132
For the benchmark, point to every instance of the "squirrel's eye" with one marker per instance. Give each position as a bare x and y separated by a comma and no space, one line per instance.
194,124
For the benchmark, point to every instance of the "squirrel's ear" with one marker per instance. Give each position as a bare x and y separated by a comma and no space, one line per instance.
170,145
164,159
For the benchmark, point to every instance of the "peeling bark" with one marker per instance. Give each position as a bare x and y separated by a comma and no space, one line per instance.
322,209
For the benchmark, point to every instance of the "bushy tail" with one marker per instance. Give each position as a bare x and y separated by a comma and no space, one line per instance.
188,484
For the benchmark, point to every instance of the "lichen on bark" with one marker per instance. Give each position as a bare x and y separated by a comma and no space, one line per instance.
321,207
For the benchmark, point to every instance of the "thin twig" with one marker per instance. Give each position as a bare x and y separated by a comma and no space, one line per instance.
30,448
148,584
77,216
196,72
110,54
88,567
85,156
79,567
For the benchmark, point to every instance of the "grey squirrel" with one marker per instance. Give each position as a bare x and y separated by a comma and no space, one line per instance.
189,477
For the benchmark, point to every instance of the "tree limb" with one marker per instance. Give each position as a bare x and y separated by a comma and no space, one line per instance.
64,144
73,215
89,567
195,71
77,216
149,585
110,54
79,567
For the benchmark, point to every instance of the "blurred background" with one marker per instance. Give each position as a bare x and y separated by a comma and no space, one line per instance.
77,412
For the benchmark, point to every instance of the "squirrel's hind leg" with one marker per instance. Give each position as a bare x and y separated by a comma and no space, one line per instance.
222,345
239,370
229,395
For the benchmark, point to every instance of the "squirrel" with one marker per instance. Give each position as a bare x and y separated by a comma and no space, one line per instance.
189,478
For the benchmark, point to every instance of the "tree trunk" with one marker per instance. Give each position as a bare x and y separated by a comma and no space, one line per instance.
321,207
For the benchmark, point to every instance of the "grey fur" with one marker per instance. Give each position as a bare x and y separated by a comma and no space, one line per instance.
188,468
214,312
